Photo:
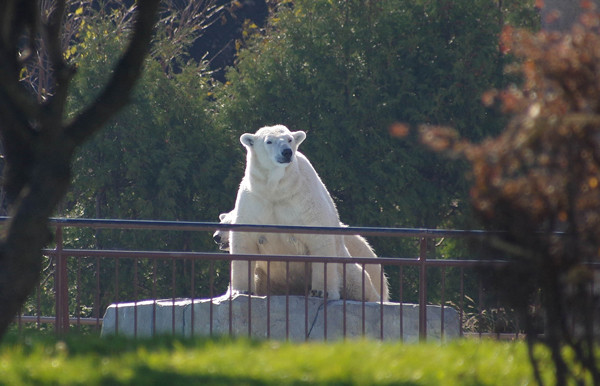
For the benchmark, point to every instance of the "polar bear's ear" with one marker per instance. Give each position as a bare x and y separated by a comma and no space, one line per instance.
222,216
247,139
299,136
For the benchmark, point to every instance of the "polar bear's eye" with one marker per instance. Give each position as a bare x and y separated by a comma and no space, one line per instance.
290,140
269,142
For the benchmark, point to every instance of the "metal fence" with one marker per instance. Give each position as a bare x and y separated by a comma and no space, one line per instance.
81,296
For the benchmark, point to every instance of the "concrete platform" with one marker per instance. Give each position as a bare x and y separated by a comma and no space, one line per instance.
263,318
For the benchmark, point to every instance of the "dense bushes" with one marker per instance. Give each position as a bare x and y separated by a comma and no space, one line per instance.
343,71
161,158
346,71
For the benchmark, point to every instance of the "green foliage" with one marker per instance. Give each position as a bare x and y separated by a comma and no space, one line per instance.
90,361
346,71
156,160
160,158
343,71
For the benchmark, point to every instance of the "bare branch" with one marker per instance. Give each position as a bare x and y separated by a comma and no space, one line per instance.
180,25
63,73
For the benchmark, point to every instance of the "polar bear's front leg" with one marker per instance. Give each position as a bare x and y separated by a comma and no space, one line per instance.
325,246
242,271
318,280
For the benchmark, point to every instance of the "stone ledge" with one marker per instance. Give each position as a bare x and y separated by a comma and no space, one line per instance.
305,317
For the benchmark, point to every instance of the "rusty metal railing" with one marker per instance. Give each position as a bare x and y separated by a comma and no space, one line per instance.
63,320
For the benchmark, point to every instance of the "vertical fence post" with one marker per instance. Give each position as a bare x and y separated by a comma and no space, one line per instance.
423,290
61,285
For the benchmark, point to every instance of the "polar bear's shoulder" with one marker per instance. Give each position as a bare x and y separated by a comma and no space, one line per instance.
309,174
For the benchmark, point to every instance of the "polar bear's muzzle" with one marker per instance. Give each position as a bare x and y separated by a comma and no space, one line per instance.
223,242
285,156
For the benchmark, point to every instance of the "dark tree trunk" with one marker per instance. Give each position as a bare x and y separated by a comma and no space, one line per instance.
38,144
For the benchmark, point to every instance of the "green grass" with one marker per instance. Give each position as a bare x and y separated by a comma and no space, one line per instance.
86,360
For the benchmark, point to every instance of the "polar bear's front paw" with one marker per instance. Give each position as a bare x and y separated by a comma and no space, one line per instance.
238,292
317,293
331,295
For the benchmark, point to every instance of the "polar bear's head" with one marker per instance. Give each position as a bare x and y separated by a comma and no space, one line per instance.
273,145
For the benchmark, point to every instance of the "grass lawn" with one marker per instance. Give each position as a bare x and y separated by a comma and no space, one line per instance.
35,359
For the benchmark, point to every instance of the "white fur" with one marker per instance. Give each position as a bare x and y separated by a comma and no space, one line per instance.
357,246
280,186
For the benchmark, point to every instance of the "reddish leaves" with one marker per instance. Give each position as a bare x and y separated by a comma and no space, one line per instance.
545,165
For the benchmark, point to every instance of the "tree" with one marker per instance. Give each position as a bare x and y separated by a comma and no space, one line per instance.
38,142
539,182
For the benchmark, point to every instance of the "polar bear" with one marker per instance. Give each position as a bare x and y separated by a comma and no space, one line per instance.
357,246
280,186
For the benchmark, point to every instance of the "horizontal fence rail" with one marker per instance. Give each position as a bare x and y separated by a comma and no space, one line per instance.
81,295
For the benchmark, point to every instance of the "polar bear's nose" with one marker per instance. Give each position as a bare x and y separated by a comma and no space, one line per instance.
287,153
